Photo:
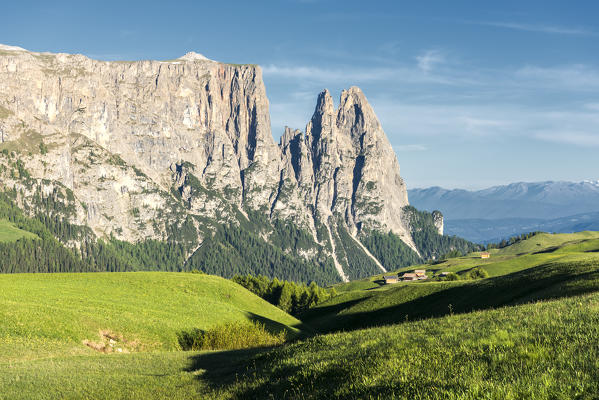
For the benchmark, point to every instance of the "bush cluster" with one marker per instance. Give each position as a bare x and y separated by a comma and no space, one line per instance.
477,273
290,297
472,274
230,336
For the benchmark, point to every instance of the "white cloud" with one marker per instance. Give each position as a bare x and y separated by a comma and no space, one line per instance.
592,106
436,98
577,76
428,60
353,75
552,29
572,126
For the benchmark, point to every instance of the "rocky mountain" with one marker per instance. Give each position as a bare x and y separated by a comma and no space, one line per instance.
499,212
180,152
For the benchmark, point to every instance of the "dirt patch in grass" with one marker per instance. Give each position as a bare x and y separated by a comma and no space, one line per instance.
111,342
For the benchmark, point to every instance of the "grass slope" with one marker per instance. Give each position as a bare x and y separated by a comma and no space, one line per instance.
556,266
544,350
422,340
45,315
537,351
539,249
9,233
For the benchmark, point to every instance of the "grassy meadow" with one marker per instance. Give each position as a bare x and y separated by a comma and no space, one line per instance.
10,233
529,331
46,315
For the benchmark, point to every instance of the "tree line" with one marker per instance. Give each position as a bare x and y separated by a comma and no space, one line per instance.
291,297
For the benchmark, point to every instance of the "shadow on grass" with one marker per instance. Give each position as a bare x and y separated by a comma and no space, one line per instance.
260,374
303,329
548,250
539,283
317,318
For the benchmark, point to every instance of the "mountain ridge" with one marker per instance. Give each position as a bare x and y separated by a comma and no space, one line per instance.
500,212
546,199
182,152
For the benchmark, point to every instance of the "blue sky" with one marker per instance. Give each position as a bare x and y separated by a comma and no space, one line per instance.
470,93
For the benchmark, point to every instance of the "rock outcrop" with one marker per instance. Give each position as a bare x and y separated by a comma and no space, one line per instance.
438,220
125,136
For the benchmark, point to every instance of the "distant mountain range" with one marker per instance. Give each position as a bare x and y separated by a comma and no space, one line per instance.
498,212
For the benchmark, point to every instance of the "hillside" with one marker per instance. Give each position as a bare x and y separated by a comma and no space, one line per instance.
51,315
534,351
528,331
544,266
10,233
172,165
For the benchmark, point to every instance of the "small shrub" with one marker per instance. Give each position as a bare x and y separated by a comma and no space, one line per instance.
452,276
230,336
477,273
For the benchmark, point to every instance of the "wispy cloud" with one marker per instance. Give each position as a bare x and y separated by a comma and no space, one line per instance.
592,106
422,74
576,138
428,60
329,74
577,76
572,126
435,96
127,33
539,28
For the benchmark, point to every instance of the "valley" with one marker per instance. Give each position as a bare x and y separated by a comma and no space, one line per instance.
299,200
524,331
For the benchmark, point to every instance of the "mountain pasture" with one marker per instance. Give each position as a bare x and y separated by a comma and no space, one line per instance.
47,315
528,331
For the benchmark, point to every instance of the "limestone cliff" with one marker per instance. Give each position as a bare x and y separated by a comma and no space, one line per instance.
355,173
145,144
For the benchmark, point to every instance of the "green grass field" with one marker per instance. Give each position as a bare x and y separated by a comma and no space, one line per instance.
10,233
46,315
554,266
529,331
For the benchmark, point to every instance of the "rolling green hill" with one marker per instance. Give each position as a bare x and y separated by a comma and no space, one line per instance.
544,266
545,350
529,331
45,315
542,350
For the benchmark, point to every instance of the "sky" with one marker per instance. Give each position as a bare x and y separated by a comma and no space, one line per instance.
471,94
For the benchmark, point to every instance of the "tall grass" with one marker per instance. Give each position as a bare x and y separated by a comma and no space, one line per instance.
230,336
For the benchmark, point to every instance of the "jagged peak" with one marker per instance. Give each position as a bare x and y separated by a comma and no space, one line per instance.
288,136
324,102
353,95
193,56
354,90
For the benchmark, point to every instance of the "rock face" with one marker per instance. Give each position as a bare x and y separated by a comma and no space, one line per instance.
125,136
438,220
